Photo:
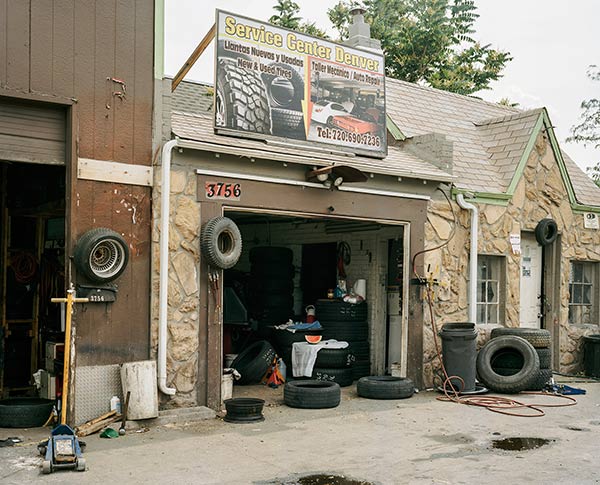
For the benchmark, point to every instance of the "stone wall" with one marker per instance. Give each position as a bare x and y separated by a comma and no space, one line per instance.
540,193
183,293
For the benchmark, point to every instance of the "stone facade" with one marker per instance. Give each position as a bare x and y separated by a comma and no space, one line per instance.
540,193
184,291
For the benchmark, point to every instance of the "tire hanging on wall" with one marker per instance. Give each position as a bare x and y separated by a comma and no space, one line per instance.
546,231
101,255
221,242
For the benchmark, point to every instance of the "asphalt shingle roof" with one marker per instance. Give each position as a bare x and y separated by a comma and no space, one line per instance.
488,138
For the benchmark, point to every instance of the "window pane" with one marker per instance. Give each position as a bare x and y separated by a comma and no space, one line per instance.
587,272
492,313
587,295
482,263
572,314
492,293
577,293
481,314
481,292
577,272
571,293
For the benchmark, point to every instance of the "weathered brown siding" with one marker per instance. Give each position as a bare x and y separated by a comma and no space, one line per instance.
58,50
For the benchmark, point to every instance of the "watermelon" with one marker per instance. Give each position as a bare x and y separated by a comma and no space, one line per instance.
313,339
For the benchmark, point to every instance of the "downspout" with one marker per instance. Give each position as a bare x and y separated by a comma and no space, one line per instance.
165,192
472,256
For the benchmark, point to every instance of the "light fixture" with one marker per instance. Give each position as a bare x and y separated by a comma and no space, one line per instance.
338,181
322,177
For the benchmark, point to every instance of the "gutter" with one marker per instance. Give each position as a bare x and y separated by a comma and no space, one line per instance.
165,193
460,199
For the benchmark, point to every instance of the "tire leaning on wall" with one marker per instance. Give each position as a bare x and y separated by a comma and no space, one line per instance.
101,255
221,242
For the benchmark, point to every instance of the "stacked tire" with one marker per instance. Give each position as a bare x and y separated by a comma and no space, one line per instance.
284,339
540,340
271,286
334,365
347,322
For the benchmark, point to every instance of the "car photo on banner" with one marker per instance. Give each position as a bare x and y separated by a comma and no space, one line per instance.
273,82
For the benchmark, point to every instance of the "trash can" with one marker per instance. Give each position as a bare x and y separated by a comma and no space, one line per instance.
459,351
591,355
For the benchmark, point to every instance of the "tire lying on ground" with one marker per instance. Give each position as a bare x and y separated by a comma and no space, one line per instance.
496,350
253,362
385,387
538,337
311,394
343,377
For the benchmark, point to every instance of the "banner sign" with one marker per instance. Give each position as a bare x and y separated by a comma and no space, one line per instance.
273,82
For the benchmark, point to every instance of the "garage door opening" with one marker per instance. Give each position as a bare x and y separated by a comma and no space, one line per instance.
32,268
294,265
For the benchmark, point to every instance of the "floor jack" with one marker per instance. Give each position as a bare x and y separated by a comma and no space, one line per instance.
63,449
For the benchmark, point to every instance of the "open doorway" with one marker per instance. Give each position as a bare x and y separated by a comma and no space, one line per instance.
32,269
292,262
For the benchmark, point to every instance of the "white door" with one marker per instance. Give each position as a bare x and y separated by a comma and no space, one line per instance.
531,281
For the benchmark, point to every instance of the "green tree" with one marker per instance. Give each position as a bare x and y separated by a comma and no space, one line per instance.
288,16
428,41
588,131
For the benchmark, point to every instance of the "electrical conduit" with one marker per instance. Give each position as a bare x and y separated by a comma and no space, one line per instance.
167,152
472,256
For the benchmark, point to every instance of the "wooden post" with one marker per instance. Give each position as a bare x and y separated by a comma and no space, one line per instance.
204,43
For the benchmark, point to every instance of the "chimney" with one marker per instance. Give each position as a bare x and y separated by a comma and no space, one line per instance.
359,32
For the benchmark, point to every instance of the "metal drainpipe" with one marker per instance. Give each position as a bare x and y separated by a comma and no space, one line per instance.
472,256
167,152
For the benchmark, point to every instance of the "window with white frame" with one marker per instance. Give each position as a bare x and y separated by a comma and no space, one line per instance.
583,298
490,288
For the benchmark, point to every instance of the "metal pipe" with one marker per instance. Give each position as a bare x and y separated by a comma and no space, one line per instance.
165,193
472,256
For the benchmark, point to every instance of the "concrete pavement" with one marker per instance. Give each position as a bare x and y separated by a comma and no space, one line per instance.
416,440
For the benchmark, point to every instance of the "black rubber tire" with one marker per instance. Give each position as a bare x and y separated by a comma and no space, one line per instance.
507,384
272,285
385,387
275,255
297,85
253,362
340,311
266,271
545,356
25,412
540,380
287,122
514,360
311,394
361,350
101,255
343,377
345,331
537,337
361,368
546,231
221,242
334,358
241,99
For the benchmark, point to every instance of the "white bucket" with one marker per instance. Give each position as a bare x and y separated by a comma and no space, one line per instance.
226,386
229,358
360,288
140,379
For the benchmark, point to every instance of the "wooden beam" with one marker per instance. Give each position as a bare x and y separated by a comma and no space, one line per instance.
204,43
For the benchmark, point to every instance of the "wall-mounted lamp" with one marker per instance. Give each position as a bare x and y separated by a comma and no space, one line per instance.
335,175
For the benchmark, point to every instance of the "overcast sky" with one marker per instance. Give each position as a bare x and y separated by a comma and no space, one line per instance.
552,41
